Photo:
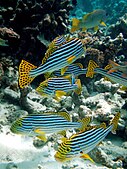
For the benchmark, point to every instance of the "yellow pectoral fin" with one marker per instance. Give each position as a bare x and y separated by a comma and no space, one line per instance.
63,133
71,59
102,23
96,28
86,156
60,93
63,70
42,137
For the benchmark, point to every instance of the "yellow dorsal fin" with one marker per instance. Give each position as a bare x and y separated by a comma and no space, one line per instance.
114,122
24,77
79,89
79,64
109,66
86,16
85,121
102,125
48,53
47,75
65,115
91,66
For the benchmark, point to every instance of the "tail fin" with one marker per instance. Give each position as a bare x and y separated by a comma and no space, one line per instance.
24,69
114,122
91,66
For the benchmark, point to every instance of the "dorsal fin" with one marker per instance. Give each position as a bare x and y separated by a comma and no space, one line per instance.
86,16
84,122
114,122
65,115
109,66
79,65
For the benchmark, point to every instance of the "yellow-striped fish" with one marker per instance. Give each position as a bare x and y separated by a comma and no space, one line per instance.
59,55
46,123
78,145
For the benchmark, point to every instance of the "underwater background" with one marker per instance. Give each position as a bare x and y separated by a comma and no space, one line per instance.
53,58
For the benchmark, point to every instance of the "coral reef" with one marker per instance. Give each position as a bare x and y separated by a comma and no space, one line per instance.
31,19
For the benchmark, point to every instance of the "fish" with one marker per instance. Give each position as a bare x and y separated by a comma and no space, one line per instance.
116,77
90,20
76,69
59,86
57,57
38,125
117,67
81,143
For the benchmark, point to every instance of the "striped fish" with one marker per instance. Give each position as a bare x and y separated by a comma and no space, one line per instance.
40,124
59,86
78,145
76,69
116,77
54,59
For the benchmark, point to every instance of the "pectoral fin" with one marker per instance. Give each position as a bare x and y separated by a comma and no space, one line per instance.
41,134
79,87
70,59
84,29
102,23
86,156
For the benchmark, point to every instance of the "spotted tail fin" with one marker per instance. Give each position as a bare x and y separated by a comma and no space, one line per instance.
114,122
24,69
91,66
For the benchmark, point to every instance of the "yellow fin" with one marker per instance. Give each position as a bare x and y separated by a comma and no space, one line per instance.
41,87
102,23
65,115
114,122
41,134
86,16
79,64
74,28
63,133
60,93
86,156
52,48
63,70
96,28
75,22
24,69
70,59
91,66
47,75
63,139
85,121
79,89
108,67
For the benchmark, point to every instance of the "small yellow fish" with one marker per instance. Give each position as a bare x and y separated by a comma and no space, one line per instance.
90,20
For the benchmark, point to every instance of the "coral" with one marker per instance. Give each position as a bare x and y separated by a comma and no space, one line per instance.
30,19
